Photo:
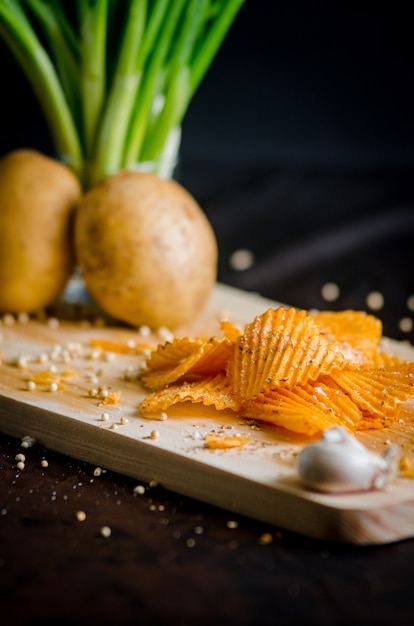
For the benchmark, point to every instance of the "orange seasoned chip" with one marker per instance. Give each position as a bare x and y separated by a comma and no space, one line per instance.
112,398
225,442
207,359
210,391
303,372
288,409
378,392
230,330
357,333
382,359
308,409
119,347
172,353
47,378
282,347
406,466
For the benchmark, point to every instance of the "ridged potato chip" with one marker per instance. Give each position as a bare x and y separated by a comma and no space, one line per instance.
211,391
378,392
357,333
206,358
305,409
299,371
282,347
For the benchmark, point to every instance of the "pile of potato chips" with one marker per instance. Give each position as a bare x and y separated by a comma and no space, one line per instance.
304,372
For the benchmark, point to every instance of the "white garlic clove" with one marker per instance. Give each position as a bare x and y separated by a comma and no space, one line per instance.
339,463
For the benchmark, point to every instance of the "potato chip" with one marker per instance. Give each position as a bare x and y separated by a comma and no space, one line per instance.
172,353
225,442
378,392
213,390
119,347
207,358
230,330
282,347
305,409
382,359
302,372
357,333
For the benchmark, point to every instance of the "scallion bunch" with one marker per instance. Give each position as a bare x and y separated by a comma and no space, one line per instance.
115,77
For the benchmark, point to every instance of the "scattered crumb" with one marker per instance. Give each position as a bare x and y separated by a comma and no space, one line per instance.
265,539
44,463
232,524
97,471
220,442
28,442
81,516
139,490
105,531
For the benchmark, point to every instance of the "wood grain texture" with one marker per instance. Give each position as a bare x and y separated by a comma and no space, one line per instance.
258,480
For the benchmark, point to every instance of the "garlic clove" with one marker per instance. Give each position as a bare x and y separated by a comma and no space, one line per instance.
339,463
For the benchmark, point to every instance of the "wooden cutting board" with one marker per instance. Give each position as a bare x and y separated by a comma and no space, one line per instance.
258,480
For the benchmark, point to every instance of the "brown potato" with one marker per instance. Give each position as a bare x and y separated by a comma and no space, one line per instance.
146,250
37,199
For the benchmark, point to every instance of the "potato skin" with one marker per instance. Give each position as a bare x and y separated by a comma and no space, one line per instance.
146,250
37,199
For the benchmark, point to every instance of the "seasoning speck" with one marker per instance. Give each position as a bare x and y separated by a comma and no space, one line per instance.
20,457
190,542
97,471
20,465
81,516
44,463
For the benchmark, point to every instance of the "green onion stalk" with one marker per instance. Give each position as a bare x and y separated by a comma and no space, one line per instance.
115,78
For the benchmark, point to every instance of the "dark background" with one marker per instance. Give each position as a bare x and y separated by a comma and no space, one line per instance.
299,147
